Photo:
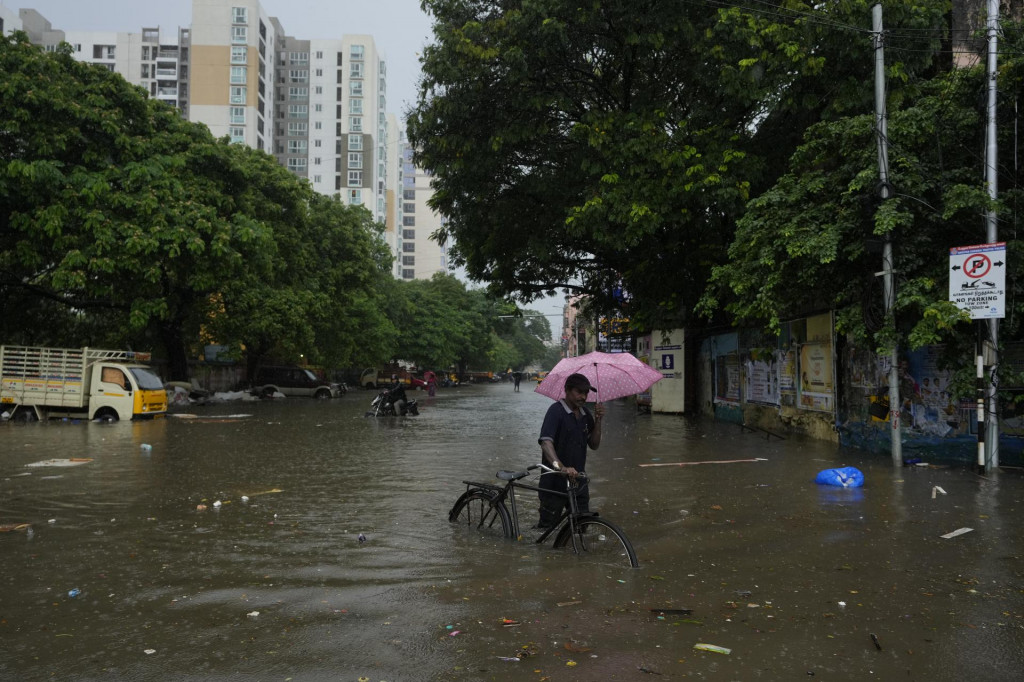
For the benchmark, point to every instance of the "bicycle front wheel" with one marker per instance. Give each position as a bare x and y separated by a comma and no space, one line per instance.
600,539
476,510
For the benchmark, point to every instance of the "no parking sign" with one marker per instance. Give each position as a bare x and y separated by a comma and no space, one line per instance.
977,279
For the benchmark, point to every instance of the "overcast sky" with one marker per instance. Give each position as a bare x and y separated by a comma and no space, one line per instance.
399,28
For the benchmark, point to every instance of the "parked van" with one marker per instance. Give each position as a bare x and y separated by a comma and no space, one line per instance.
293,381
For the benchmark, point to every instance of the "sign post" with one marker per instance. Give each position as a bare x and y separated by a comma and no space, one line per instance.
977,280
977,284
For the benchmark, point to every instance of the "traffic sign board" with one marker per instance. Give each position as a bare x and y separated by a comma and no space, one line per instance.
977,279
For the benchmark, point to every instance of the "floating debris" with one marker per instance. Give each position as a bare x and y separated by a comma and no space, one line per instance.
958,531
701,646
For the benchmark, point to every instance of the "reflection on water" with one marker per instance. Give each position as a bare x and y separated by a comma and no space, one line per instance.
280,587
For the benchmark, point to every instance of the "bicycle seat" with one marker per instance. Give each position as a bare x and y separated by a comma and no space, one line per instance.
511,475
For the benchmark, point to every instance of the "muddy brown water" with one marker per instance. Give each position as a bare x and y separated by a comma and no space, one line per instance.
792,577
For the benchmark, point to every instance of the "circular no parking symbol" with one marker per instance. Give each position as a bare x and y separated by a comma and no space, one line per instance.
977,265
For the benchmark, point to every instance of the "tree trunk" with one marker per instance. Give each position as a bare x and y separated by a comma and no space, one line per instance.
177,354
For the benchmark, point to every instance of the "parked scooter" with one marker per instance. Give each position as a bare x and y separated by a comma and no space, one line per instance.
383,406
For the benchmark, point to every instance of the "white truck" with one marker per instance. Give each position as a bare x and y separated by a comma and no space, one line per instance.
83,383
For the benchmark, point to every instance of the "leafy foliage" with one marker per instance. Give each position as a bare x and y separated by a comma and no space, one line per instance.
588,145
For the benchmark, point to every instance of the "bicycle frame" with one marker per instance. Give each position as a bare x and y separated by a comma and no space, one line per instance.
507,492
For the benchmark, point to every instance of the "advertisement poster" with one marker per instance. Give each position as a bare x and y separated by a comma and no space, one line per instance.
762,378
816,372
786,362
727,379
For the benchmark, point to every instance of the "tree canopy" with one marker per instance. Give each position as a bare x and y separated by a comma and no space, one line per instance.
611,145
122,223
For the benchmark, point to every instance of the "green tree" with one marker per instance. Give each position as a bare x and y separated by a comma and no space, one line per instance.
813,240
606,143
124,224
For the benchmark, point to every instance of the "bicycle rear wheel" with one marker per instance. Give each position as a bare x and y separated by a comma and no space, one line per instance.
600,539
476,510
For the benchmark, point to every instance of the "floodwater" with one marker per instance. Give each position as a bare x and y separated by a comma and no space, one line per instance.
798,581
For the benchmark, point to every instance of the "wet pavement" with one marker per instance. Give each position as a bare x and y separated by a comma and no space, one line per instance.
798,581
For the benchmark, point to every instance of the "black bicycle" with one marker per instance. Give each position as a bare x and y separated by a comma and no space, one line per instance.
491,509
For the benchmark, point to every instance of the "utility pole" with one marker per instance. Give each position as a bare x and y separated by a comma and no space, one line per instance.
885,192
992,179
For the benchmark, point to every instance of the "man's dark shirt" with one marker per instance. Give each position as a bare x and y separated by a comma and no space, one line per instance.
568,434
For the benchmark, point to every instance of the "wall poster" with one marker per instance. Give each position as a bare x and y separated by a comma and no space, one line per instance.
817,388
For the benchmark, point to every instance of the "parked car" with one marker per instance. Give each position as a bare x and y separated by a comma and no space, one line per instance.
293,381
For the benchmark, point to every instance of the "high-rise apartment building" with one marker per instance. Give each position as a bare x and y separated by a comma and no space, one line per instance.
419,256
233,43
330,124
318,105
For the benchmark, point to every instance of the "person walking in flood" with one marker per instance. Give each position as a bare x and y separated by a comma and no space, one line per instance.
517,376
568,430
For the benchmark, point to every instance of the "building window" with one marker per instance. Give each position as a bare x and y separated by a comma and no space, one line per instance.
408,247
239,54
355,143
356,53
237,134
409,194
316,143
355,159
317,179
240,34
355,69
298,111
316,160
355,88
355,124
298,93
318,107
408,273
319,54
297,165
408,260
239,75
299,58
408,234
239,15
355,178
355,106
296,128
236,114
297,146
319,90
298,76
319,73
409,220
355,196
409,208
237,94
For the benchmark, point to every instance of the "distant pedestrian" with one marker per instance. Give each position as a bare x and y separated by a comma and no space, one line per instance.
517,376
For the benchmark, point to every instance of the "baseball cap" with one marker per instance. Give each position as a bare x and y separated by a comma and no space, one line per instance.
578,381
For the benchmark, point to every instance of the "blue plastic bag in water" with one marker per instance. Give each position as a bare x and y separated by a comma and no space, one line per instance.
844,477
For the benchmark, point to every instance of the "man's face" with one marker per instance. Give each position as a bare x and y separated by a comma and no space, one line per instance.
576,397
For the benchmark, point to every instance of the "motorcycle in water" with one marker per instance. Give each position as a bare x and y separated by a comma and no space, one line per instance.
383,406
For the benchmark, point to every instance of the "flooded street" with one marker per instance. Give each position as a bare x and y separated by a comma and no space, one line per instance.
797,580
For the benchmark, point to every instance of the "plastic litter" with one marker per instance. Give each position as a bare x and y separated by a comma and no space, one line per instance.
843,477
937,489
701,646
149,652
72,593
253,614
361,538
146,447
958,531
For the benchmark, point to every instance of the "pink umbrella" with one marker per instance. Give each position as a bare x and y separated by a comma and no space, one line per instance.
614,375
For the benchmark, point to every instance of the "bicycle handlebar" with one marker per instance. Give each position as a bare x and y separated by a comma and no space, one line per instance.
544,468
